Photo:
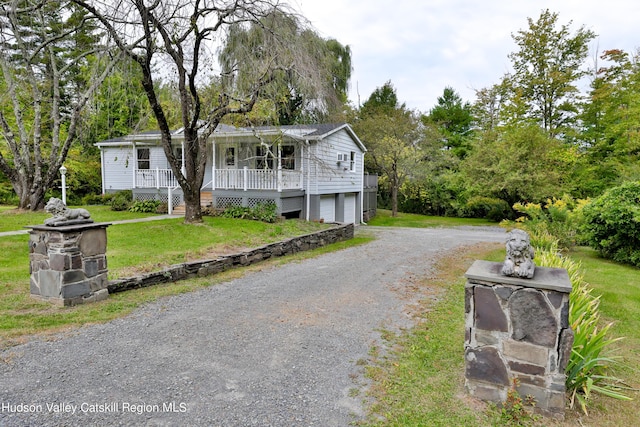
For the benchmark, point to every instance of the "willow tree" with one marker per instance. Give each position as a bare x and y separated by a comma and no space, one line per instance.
45,52
177,40
311,90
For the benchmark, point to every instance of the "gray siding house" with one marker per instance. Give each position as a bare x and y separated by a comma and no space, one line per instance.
315,172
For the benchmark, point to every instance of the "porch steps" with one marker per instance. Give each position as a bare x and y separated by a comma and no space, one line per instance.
206,199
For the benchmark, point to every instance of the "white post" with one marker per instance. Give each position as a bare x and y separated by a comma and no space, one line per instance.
245,173
213,165
157,178
169,201
63,172
279,183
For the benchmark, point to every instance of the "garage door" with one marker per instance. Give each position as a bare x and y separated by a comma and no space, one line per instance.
328,208
350,208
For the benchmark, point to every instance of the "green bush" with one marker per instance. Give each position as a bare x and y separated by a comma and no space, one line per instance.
121,200
266,212
145,206
97,199
488,208
612,224
555,223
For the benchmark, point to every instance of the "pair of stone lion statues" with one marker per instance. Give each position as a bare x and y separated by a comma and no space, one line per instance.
63,215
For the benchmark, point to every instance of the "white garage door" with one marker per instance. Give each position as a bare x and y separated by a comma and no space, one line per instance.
328,208
350,208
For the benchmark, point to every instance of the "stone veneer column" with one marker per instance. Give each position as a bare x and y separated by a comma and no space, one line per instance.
517,329
68,264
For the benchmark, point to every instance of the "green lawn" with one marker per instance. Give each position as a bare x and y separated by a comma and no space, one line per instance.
14,219
383,218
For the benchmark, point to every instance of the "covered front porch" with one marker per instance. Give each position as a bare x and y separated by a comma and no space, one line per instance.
244,179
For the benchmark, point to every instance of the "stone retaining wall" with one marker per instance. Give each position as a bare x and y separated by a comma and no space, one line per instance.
207,267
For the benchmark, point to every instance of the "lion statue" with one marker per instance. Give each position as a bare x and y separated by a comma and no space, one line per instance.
62,214
519,260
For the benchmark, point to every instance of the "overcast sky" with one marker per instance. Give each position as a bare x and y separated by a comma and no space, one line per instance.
422,46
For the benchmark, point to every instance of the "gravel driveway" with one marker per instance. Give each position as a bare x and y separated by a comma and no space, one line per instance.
279,347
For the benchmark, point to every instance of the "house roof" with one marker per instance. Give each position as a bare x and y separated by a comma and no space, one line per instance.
309,132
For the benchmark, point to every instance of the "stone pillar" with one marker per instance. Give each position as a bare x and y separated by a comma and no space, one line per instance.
68,264
517,328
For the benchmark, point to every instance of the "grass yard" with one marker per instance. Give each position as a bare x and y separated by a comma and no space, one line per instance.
383,218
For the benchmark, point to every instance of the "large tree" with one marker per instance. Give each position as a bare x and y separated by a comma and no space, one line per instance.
317,86
547,66
43,47
453,118
392,136
175,39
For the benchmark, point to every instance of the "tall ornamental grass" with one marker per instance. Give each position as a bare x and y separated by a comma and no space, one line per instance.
588,367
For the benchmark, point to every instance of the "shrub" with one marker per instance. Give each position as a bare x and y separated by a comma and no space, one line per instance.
121,200
612,224
488,208
146,206
556,223
97,199
266,212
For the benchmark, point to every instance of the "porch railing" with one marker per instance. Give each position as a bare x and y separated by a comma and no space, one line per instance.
257,179
155,178
228,179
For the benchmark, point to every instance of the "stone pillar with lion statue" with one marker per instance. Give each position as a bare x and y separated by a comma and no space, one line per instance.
517,332
67,255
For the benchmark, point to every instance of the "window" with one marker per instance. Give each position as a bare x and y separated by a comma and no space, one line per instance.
230,156
264,158
143,158
352,162
288,156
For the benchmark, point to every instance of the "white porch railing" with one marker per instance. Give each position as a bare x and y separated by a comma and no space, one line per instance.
155,178
228,179
257,179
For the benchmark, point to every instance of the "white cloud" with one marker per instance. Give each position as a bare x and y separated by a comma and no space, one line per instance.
424,46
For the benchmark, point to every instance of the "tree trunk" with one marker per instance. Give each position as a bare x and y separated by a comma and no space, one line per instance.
394,196
192,208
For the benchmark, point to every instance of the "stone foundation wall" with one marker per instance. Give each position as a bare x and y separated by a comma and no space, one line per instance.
212,266
517,329
68,264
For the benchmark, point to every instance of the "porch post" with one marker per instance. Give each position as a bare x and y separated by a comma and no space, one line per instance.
245,177
213,164
182,168
279,169
307,192
135,164
157,178
301,183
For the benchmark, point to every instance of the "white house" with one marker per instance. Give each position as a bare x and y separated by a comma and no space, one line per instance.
314,172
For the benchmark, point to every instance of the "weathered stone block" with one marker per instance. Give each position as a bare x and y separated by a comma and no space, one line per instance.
526,352
485,364
486,338
49,282
566,343
93,242
77,289
90,267
60,262
488,311
532,319
527,368
72,276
